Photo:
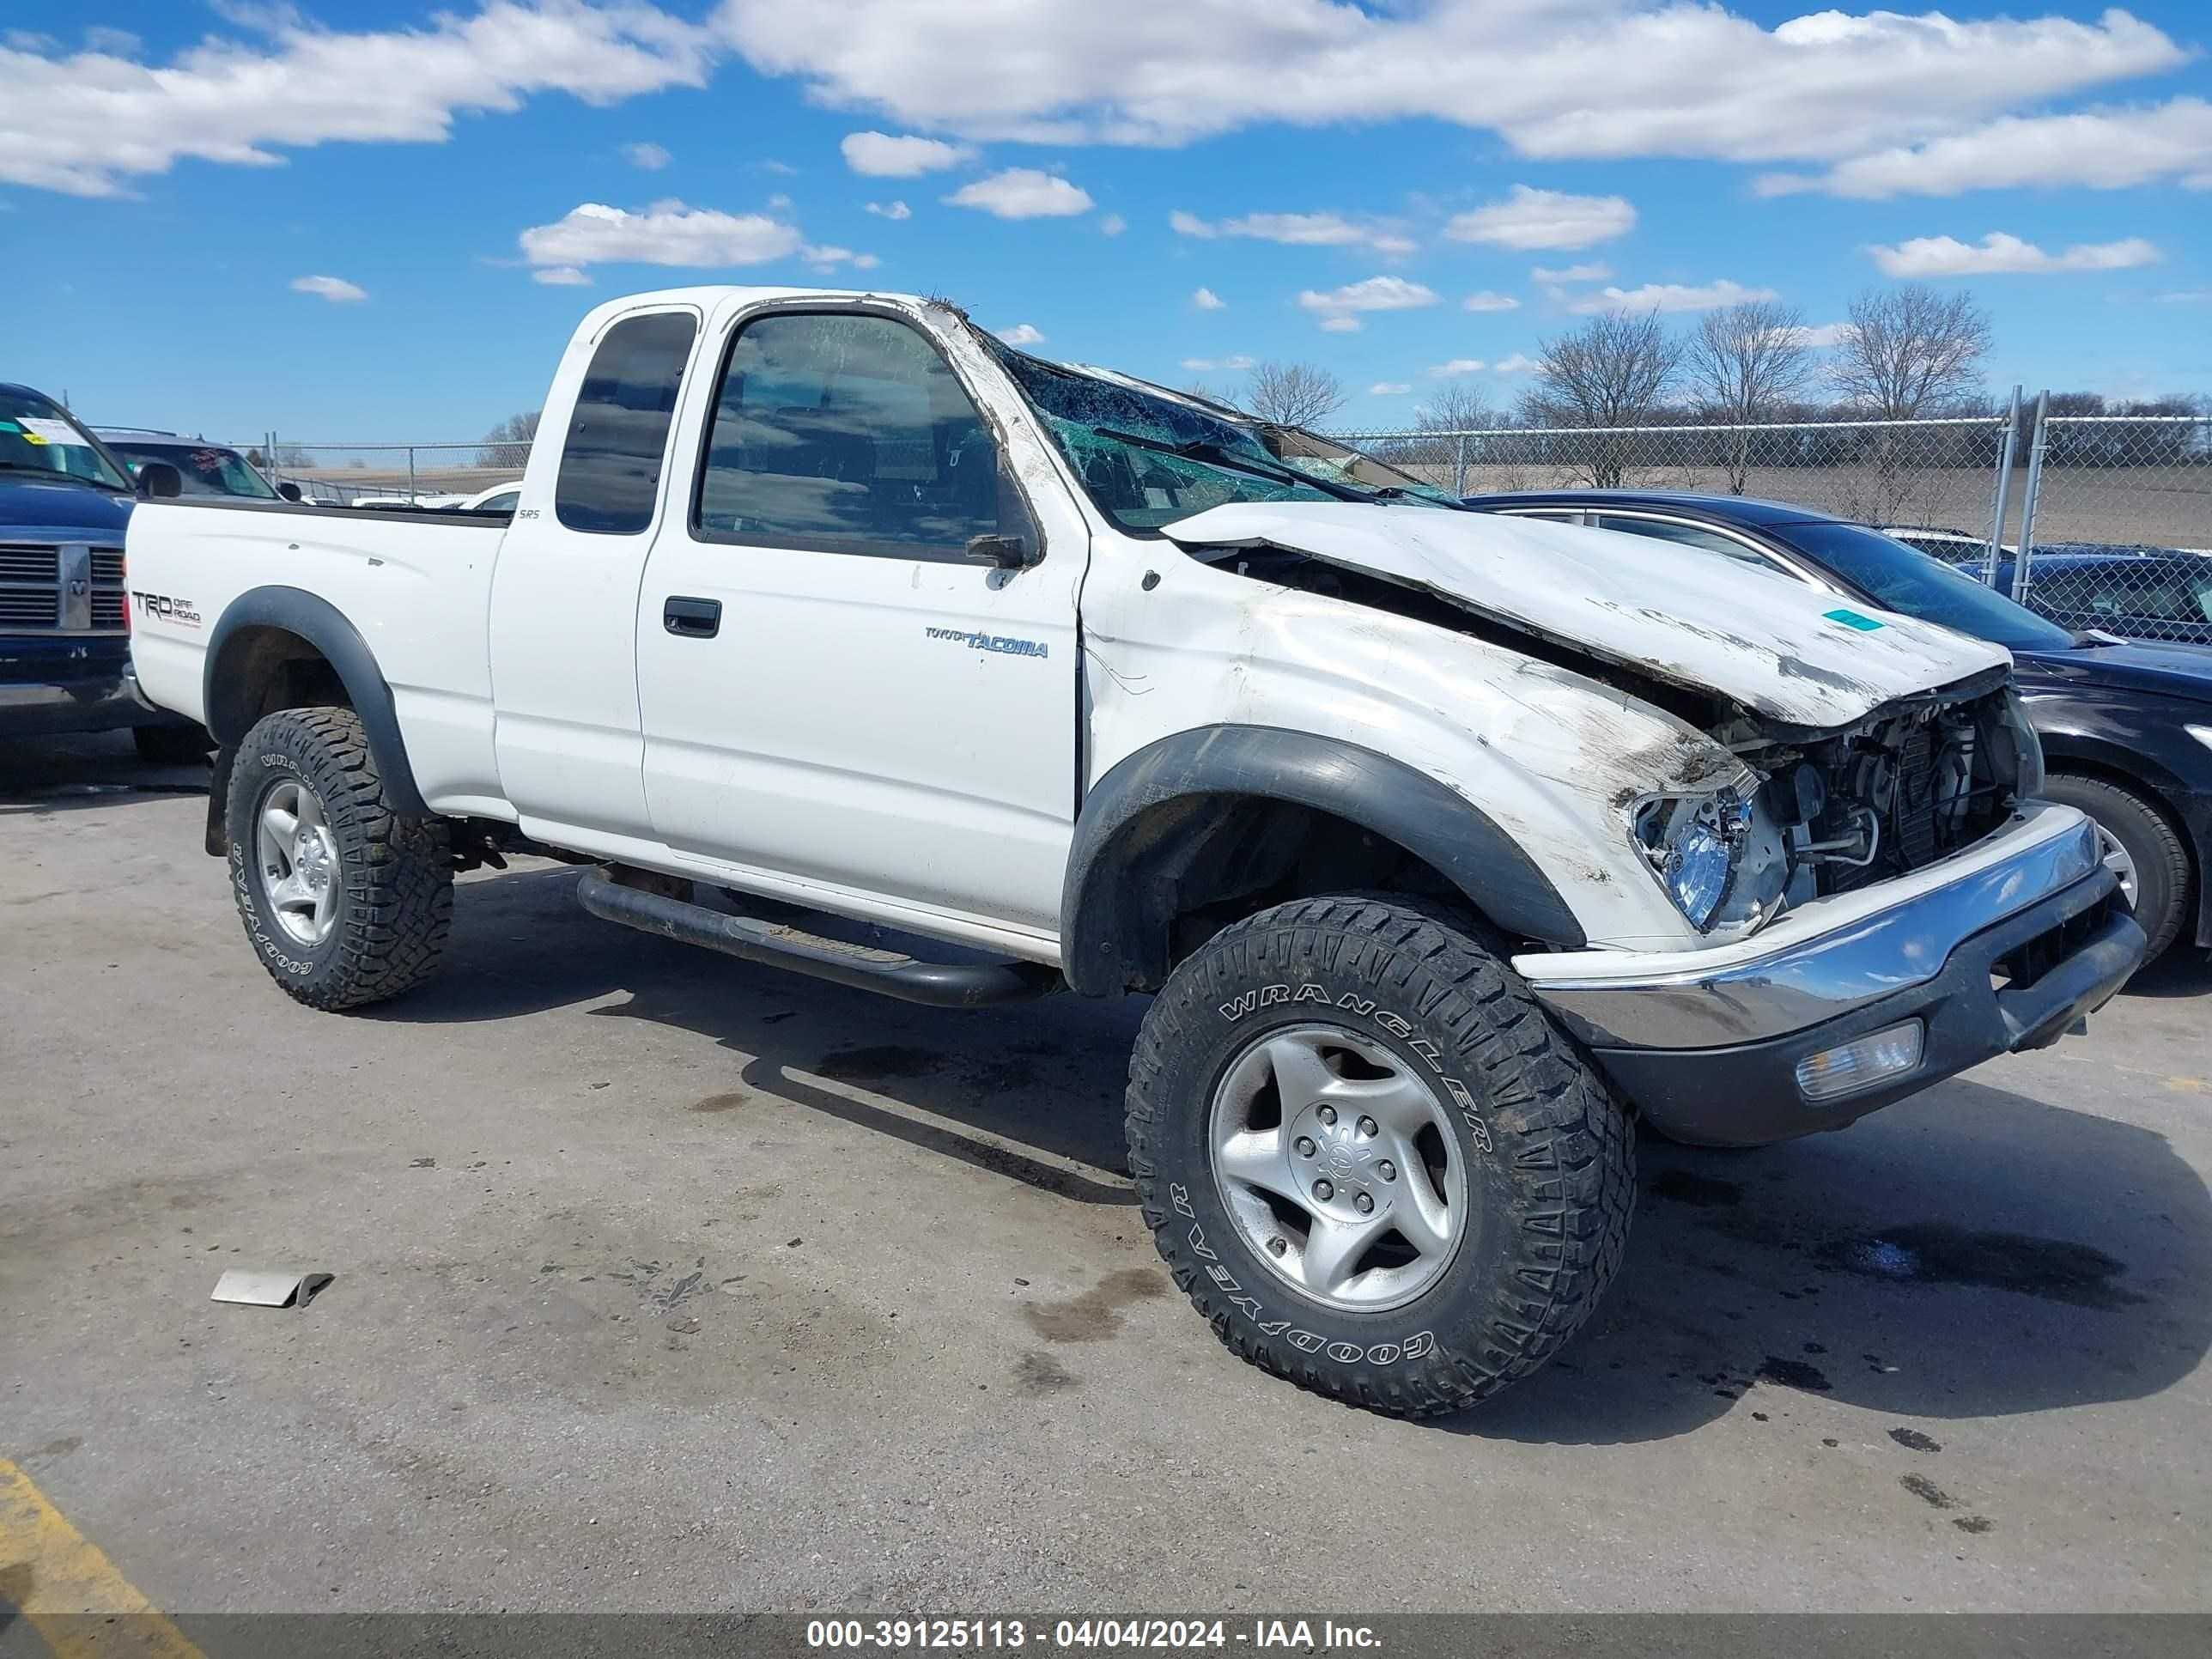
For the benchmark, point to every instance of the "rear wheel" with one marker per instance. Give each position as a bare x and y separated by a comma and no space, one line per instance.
347,902
1369,1158
2141,847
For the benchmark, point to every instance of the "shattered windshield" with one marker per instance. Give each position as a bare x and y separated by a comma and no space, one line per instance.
1325,458
1147,461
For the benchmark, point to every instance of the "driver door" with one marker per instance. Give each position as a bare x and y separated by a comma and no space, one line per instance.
833,687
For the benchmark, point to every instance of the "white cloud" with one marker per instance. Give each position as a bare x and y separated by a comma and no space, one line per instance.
1998,253
1232,365
561,276
886,155
2099,149
891,209
1022,334
1338,307
1456,367
86,124
1529,218
650,157
1672,296
1595,79
116,43
1820,336
1389,389
1112,224
1487,301
1206,299
1022,193
1595,272
1517,364
665,234
336,289
2186,296
830,258
1293,230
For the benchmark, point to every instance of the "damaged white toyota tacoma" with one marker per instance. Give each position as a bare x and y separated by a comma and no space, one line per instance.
1447,845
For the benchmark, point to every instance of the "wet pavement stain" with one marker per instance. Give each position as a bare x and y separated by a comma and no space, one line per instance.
724,1103
1928,1492
1913,1440
1039,1374
1701,1192
1936,1253
1793,1374
1975,1524
1097,1314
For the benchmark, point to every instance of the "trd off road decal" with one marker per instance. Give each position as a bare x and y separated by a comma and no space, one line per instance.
1419,1345
183,611
1272,996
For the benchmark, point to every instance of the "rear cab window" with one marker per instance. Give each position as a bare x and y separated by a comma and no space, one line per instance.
616,445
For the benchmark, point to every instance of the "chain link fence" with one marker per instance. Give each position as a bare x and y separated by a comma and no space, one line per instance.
394,474
2117,509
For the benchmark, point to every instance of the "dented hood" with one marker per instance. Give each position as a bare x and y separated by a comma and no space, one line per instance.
1787,651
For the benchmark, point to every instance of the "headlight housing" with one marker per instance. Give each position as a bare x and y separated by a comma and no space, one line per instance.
1718,857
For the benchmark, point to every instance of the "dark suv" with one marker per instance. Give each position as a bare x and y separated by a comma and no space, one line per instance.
64,618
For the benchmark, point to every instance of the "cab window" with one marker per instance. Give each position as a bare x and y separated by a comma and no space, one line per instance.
1688,535
849,433
611,457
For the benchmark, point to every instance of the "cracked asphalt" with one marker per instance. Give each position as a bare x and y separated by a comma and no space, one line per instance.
663,1281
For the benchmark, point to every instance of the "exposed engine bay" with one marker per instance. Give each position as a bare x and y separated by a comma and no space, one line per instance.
1825,812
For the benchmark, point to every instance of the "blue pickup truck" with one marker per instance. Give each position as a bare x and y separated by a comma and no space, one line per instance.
65,616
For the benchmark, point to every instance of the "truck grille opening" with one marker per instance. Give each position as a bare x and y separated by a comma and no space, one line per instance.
61,588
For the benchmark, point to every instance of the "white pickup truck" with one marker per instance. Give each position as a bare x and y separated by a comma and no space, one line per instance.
1447,845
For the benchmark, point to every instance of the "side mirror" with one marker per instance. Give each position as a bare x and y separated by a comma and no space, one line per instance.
158,480
289,492
1006,552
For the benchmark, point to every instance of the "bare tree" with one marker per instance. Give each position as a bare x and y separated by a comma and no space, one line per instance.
1908,352
1437,451
1613,371
1294,394
507,444
1746,363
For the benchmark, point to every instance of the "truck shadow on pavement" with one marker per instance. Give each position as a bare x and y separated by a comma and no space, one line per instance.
1971,1252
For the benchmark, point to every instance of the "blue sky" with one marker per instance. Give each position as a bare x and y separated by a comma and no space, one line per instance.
1348,177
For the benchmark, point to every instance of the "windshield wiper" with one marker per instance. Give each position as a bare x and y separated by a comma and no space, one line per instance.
1214,454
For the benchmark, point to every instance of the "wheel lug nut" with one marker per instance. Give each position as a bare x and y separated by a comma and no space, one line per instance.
1387,1169
1324,1191
1363,1204
1306,1148
1367,1128
1277,1245
1327,1115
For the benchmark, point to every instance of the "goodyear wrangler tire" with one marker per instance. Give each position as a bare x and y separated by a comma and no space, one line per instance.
1369,1158
347,902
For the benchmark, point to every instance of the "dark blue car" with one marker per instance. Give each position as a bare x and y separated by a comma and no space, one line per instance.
65,628
2137,593
2126,727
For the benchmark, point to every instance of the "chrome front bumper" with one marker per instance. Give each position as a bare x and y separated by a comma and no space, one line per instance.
2002,947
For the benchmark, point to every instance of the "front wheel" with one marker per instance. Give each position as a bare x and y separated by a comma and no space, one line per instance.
347,902
2141,847
1369,1158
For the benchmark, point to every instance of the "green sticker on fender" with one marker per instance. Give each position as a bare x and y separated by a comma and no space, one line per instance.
1852,619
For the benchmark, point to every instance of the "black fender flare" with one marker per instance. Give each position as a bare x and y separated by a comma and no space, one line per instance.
1384,797
231,712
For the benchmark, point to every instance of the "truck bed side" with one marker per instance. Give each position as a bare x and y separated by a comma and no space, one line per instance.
416,587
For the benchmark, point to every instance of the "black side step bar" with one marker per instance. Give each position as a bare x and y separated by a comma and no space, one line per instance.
940,984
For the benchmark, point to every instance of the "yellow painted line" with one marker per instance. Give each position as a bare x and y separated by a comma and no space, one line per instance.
54,1576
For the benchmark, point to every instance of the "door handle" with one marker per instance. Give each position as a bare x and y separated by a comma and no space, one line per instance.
694,619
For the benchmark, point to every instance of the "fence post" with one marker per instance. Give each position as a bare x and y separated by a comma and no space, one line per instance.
2021,578
2005,451
1459,466
410,475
